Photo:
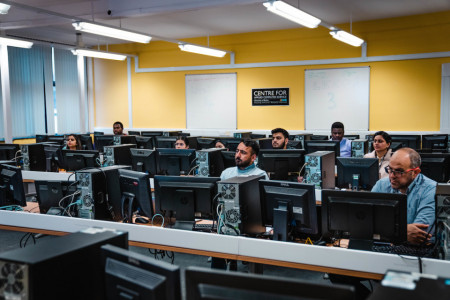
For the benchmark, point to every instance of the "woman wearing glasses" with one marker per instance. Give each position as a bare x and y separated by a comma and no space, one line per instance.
381,143
182,143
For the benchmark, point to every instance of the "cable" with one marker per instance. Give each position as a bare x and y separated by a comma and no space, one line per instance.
195,167
15,155
301,169
162,225
12,207
67,196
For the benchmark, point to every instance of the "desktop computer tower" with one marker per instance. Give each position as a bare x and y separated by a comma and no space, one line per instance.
33,157
301,137
124,139
359,148
320,170
241,206
210,162
443,219
369,139
118,155
66,267
92,187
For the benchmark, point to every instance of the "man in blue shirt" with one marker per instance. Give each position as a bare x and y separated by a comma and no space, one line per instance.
337,134
405,178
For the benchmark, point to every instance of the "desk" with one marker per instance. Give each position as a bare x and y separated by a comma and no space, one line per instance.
316,258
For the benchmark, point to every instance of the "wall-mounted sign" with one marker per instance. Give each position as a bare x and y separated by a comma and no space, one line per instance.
273,96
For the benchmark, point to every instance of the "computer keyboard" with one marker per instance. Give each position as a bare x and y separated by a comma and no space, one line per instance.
206,227
422,251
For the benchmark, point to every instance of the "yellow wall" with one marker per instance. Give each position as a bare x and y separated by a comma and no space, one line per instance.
404,95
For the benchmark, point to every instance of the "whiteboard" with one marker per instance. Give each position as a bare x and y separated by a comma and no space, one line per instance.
337,95
211,101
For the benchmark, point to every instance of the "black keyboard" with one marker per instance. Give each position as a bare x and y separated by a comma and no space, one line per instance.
424,251
204,227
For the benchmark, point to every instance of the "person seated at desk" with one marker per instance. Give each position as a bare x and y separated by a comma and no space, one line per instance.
280,138
381,143
118,128
337,134
404,177
72,142
182,142
219,144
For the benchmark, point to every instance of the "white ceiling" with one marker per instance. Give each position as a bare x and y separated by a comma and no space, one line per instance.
178,19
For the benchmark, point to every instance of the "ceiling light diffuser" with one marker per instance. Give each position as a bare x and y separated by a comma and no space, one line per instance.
112,32
99,54
347,38
202,50
291,13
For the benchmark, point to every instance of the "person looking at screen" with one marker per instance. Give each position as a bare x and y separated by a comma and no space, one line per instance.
337,134
182,142
381,143
280,138
404,177
72,142
219,144
118,128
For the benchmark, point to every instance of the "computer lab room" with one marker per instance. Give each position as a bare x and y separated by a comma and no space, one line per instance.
238,149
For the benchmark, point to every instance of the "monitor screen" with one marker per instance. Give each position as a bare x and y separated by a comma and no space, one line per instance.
295,145
132,132
435,142
102,141
206,143
136,194
185,198
357,173
410,141
11,186
80,159
364,217
130,275
352,137
281,162
144,160
50,193
60,139
228,159
144,142
287,205
436,166
265,143
86,141
8,151
203,283
231,143
151,133
316,137
317,145
40,138
175,161
165,141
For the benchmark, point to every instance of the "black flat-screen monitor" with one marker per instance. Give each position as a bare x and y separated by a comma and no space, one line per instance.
264,143
53,157
136,194
144,142
86,141
80,159
49,193
60,139
8,151
165,141
437,142
436,166
352,137
281,162
151,133
317,137
231,143
41,138
203,283
175,161
288,205
99,133
206,143
144,160
364,217
185,197
229,159
411,141
11,186
318,145
257,136
101,141
132,132
130,275
357,173
295,144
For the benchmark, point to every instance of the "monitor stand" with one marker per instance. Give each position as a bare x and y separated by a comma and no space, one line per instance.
355,182
140,167
360,244
281,216
128,216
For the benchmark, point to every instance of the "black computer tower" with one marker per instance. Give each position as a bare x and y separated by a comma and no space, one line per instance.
118,155
210,162
92,187
67,267
33,157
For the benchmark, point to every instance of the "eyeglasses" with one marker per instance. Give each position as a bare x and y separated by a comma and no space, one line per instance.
396,173
179,144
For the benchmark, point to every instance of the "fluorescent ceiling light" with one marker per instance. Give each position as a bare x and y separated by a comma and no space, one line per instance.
112,32
347,38
291,13
4,8
15,42
99,54
202,50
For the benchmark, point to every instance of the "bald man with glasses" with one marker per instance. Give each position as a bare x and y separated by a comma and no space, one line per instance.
404,177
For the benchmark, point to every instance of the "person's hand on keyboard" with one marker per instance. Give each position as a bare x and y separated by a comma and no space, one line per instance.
417,233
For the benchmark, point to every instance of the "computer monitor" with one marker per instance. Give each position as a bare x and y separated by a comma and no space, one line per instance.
395,146
317,145
185,198
132,132
86,142
8,151
229,159
102,141
184,134
144,160
50,192
165,141
352,137
151,133
231,143
41,138
175,161
11,186
98,133
435,142
295,144
130,275
436,166
80,159
257,136
287,205
281,162
317,137
203,283
357,173
264,143
136,194
53,157
364,217
144,142
60,139
206,143
410,141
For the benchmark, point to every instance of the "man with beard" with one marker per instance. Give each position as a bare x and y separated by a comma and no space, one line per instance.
280,138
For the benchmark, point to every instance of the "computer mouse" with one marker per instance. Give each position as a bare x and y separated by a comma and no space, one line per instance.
141,220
